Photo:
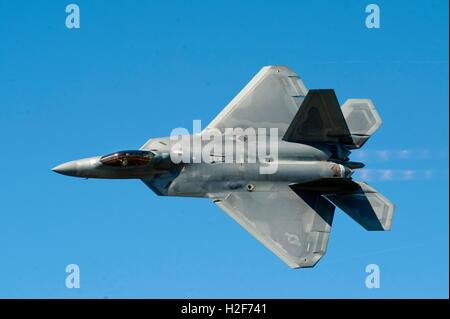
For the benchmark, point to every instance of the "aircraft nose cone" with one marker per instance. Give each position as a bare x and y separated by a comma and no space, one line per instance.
69,168
85,167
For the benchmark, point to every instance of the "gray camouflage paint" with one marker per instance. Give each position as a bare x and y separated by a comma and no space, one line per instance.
290,211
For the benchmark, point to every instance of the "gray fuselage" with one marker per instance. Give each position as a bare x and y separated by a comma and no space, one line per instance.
292,163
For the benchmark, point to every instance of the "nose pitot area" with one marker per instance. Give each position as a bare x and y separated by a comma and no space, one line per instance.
69,168
80,168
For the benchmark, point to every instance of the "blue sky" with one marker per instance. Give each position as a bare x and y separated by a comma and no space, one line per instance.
136,70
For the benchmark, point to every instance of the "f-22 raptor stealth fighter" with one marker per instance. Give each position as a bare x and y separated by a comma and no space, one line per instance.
289,207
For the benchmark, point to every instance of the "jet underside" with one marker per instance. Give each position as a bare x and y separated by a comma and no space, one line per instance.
290,209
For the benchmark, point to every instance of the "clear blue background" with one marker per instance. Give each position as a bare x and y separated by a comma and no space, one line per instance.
137,70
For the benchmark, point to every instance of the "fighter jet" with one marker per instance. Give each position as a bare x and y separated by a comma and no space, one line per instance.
290,207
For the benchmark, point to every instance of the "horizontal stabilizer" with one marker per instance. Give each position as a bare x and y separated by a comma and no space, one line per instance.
362,119
366,206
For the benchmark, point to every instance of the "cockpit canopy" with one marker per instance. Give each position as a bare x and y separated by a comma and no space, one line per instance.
128,158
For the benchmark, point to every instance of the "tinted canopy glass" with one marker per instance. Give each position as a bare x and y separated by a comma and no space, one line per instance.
127,158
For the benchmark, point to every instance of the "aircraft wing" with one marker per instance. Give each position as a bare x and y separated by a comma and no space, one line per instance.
295,227
270,100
